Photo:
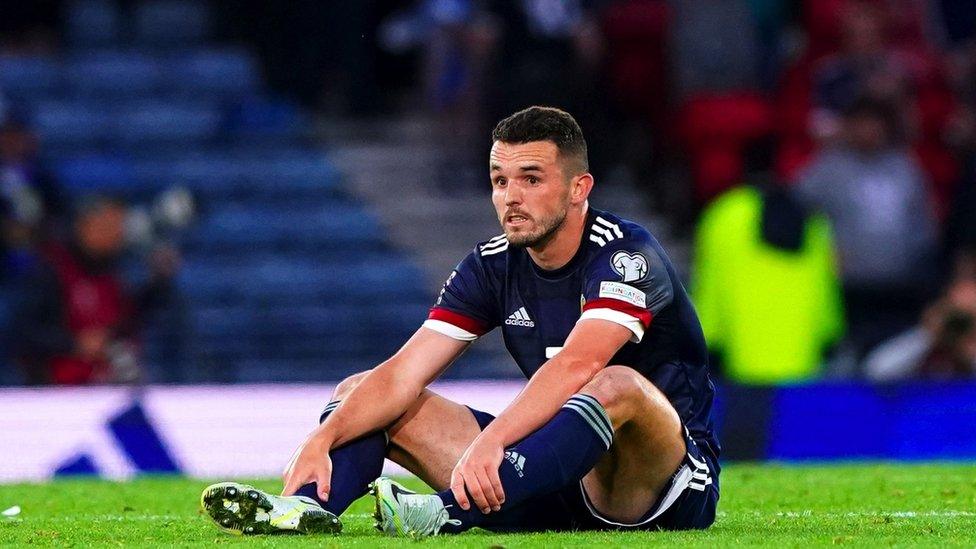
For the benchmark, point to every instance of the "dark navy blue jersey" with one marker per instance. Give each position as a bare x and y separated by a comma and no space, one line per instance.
621,274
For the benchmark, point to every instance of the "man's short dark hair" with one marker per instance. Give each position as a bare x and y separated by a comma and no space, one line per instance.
546,124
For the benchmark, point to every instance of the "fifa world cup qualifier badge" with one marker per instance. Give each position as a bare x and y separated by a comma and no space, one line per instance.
630,266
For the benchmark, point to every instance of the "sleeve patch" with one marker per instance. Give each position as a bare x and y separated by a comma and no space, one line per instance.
623,292
630,266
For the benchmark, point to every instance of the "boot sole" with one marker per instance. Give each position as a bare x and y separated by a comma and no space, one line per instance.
250,502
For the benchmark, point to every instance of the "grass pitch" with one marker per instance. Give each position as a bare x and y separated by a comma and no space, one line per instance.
862,505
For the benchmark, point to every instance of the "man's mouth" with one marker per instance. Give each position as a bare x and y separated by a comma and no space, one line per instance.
516,219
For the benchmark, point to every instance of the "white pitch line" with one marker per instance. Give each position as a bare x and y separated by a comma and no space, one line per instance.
106,518
137,517
853,514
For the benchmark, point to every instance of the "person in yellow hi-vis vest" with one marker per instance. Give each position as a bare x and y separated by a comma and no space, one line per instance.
765,286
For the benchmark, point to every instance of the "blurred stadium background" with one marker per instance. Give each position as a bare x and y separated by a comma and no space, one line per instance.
204,204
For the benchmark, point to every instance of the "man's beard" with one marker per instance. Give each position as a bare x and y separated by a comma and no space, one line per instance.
547,229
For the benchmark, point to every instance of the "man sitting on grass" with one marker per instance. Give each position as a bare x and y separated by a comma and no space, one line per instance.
613,429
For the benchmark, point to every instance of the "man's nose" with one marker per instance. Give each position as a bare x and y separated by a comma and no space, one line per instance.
513,195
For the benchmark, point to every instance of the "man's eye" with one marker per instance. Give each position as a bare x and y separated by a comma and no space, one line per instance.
500,182
533,180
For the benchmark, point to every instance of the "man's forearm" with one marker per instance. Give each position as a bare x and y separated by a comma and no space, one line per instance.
376,402
541,399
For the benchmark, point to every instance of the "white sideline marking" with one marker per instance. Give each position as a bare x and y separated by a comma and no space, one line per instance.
133,516
865,514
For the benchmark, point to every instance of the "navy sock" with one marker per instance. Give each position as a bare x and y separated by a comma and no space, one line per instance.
559,453
354,466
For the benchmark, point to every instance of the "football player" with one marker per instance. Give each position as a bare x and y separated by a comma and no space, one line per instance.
613,429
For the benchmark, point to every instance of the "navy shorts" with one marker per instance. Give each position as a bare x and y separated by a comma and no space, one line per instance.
687,502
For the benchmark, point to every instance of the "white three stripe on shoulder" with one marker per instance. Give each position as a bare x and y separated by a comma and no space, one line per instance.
614,226
494,248
499,240
606,233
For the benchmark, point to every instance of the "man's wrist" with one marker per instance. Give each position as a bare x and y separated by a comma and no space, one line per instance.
493,434
325,436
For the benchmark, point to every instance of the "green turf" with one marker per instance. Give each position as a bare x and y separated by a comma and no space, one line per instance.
784,506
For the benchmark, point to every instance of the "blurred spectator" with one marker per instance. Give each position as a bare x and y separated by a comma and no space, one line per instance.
874,195
960,239
457,38
882,50
78,323
715,46
960,234
943,346
886,55
765,284
30,204
551,52
862,68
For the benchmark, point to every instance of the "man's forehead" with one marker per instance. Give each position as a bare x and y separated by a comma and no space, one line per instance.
538,152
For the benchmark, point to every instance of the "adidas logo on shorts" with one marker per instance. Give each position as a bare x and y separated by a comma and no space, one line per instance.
520,318
517,460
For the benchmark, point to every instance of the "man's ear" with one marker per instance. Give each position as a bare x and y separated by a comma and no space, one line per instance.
580,188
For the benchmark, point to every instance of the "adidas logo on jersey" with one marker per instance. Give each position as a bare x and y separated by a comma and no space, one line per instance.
520,318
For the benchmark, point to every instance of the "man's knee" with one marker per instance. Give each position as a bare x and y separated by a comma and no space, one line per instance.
617,388
613,386
624,392
347,385
342,389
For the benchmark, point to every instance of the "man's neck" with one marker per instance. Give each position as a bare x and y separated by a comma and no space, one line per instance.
564,244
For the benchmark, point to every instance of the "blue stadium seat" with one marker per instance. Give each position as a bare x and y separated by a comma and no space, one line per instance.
294,172
92,23
318,227
267,119
224,73
368,278
262,179
150,122
170,23
61,123
113,74
29,77
96,173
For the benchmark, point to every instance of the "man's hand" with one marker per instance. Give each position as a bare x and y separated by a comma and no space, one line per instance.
310,463
478,472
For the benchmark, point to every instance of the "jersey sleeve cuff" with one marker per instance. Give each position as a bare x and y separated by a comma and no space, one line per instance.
454,325
449,330
636,319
